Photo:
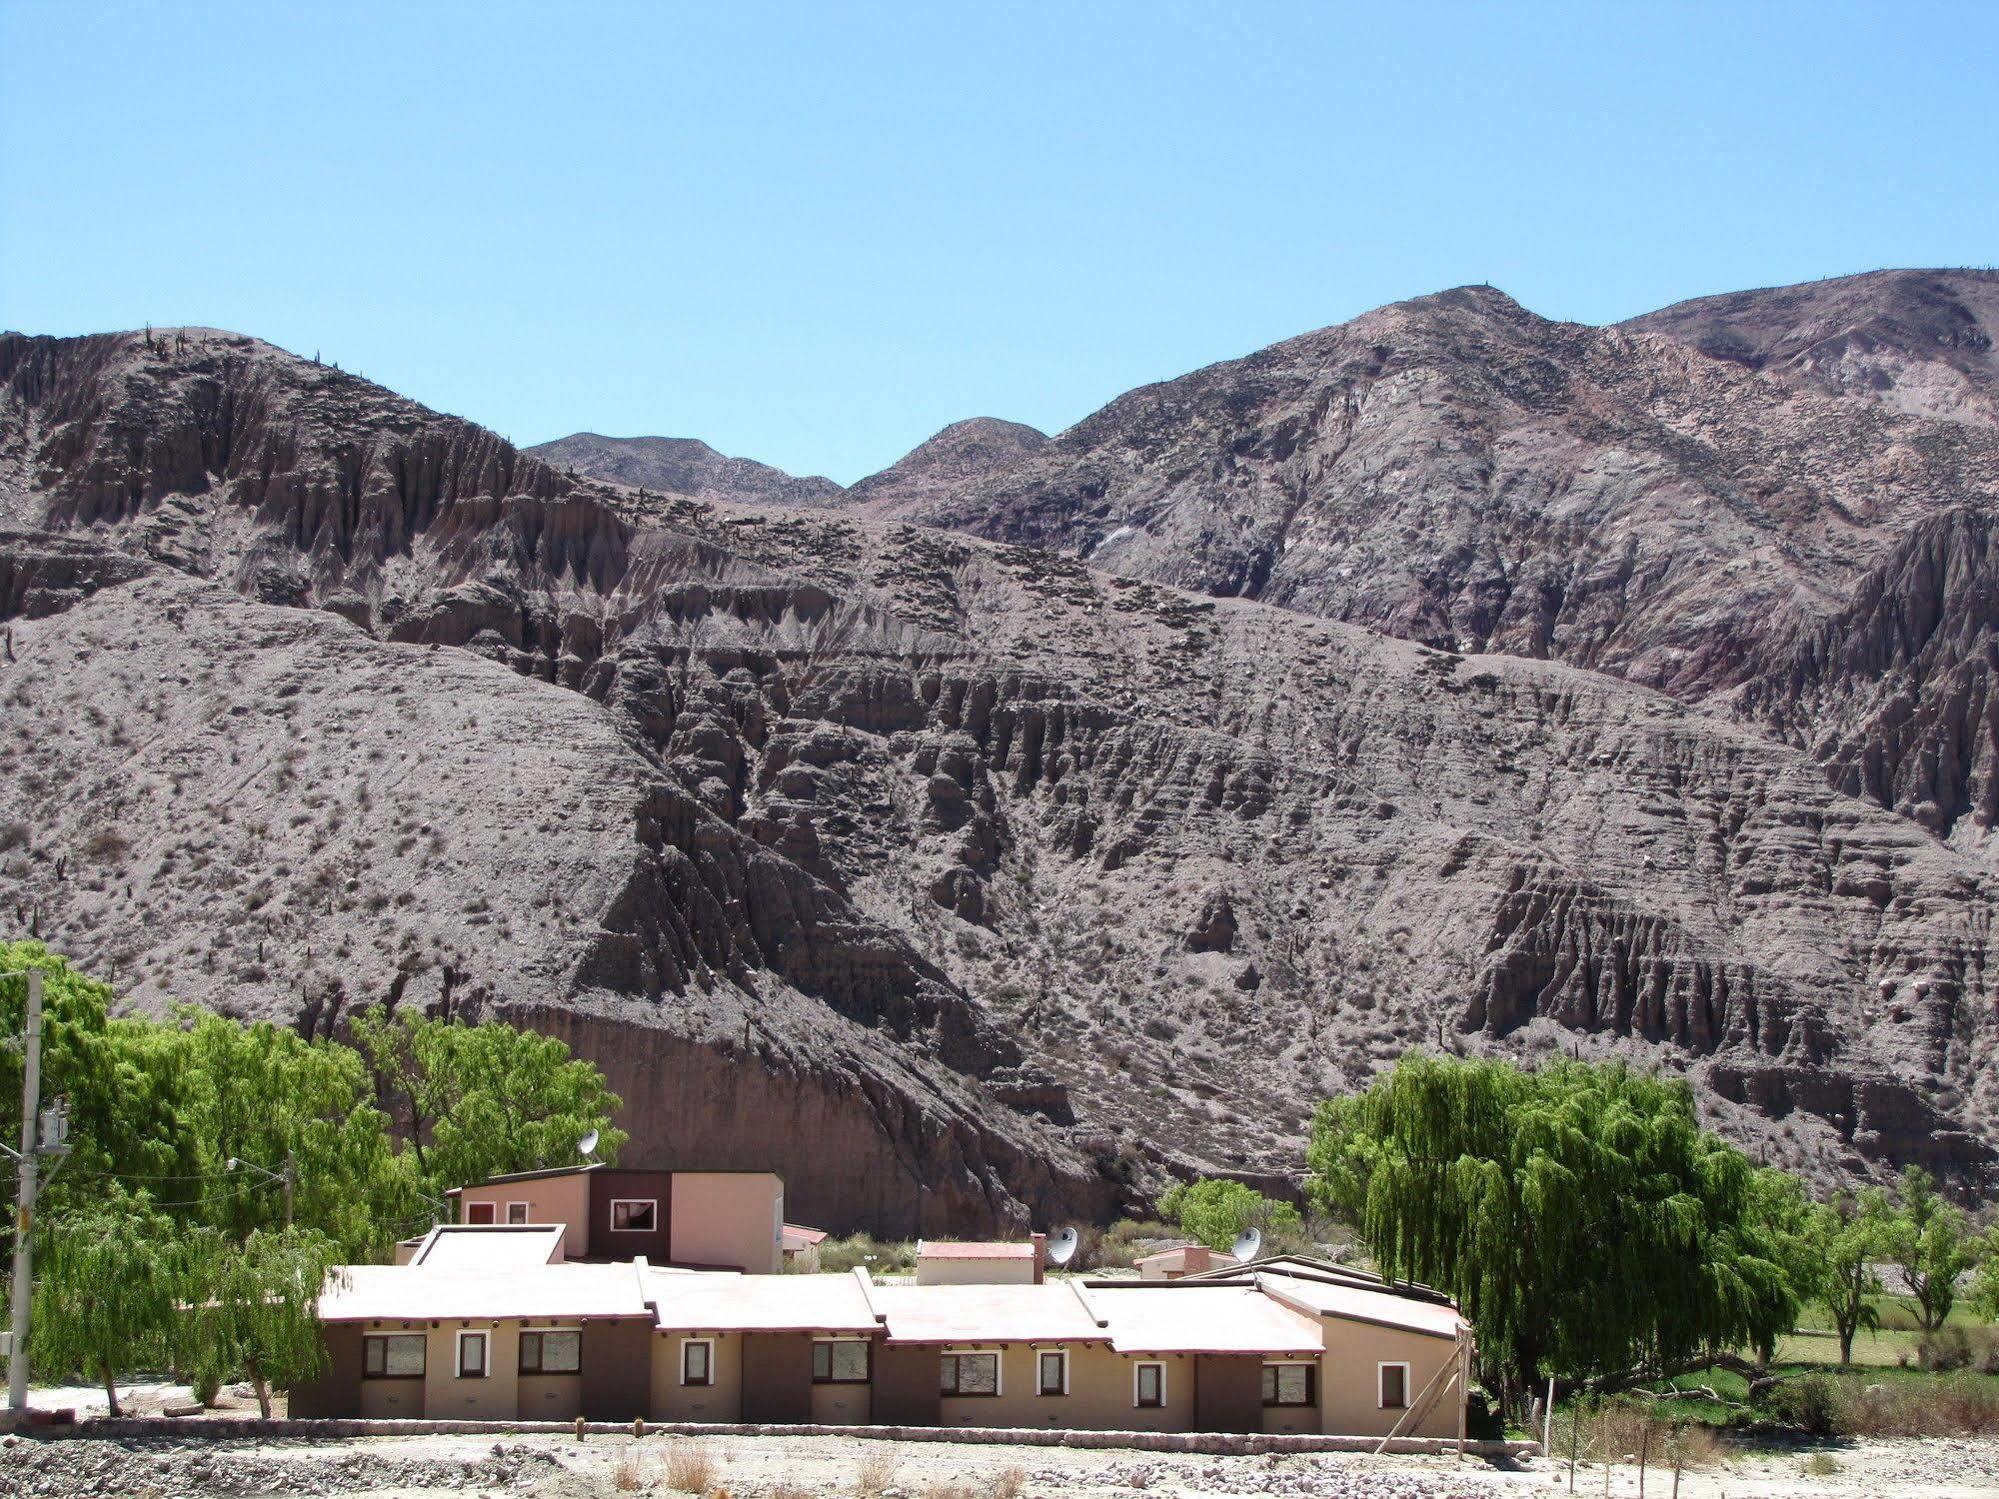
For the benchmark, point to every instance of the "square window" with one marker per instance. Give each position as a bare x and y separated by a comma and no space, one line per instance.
840,1361
1051,1373
471,1355
1149,1385
398,1356
1289,1384
634,1215
697,1361
517,1212
479,1212
551,1352
969,1374
1394,1387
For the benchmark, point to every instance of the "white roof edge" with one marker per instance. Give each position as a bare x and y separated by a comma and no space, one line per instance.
1088,1310
868,1295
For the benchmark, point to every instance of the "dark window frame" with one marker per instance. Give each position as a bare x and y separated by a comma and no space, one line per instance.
707,1347
540,1336
867,1373
474,1209
464,1336
1041,1357
651,1226
1273,1393
1401,1366
954,1389
1158,1400
384,1338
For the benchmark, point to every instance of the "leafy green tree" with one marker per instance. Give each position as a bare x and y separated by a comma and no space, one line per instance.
1842,1239
1778,1228
266,1095
110,1286
1985,1284
1216,1209
1931,1245
255,1307
1579,1214
480,1100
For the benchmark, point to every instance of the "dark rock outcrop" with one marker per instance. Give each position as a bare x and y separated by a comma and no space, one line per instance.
682,466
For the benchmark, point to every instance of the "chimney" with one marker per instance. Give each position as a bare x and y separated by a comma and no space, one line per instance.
1040,1255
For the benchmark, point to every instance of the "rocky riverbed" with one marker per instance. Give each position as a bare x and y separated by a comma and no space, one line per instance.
549,1467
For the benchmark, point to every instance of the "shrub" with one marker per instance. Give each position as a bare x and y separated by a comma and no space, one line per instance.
632,1474
1946,1348
690,1468
875,1471
1008,1483
842,1255
1813,1403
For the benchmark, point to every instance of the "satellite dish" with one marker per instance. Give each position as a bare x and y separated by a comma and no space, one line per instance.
1062,1248
1247,1245
587,1144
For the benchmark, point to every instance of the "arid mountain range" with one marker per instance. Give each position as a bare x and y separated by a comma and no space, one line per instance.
1046,816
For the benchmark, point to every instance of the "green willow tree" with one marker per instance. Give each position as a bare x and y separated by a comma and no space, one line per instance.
111,1287
254,1307
1579,1214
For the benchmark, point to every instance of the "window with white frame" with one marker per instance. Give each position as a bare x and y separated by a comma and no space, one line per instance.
969,1374
1051,1371
517,1212
1394,1387
634,1215
697,1361
1290,1384
1148,1384
472,1362
479,1212
392,1356
840,1361
552,1351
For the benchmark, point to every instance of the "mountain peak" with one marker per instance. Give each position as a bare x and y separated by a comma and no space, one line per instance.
683,466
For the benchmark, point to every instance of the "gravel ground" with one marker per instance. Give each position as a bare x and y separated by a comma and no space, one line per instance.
548,1467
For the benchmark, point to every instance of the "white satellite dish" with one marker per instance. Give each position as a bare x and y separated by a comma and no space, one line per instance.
587,1144
1247,1245
1063,1246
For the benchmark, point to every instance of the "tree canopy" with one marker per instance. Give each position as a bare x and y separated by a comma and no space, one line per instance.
1579,1214
1215,1210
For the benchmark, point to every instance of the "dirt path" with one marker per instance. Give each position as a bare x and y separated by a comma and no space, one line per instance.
548,1467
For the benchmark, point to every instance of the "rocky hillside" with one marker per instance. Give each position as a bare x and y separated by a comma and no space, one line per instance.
1919,342
963,453
683,466
961,881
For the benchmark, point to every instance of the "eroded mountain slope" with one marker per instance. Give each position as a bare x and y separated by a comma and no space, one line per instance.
1039,877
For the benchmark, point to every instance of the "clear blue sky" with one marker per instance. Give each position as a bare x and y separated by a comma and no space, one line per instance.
814,234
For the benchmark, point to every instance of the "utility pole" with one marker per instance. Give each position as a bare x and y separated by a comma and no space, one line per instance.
24,1218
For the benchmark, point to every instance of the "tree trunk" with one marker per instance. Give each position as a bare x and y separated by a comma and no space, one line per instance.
1845,1347
110,1386
263,1389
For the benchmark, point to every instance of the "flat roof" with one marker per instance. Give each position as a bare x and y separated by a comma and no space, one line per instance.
803,1234
414,1293
1383,1307
1187,1317
1219,1257
459,1246
1049,1313
725,1300
965,1249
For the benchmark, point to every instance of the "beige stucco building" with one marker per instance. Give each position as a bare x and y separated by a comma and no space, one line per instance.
1283,1345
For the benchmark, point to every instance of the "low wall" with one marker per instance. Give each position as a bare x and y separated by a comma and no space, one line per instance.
221,1428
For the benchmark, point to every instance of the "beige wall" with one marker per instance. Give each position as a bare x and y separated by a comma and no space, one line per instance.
392,1399
956,1272
550,1397
1349,1373
728,1218
446,1397
1099,1398
841,1404
551,1199
674,1401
